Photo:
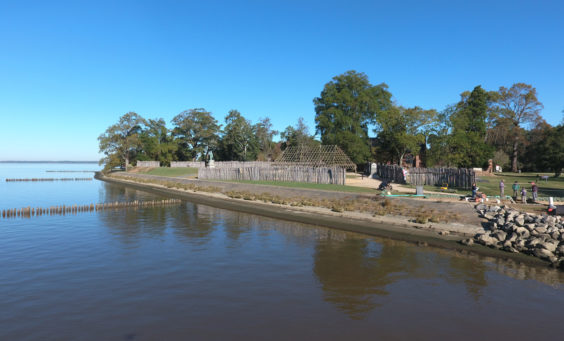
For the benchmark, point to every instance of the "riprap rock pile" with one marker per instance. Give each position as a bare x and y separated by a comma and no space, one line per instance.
508,229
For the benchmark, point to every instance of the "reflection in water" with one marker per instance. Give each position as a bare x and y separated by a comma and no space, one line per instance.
131,222
193,222
235,224
111,193
469,272
180,272
186,220
355,272
510,268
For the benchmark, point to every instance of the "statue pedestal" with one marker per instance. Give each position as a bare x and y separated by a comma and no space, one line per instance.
373,169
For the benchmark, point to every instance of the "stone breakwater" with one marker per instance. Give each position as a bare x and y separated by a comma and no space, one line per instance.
507,229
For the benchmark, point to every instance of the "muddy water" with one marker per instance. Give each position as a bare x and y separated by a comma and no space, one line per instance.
196,272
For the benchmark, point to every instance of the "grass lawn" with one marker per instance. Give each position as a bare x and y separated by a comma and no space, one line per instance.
554,187
173,172
326,187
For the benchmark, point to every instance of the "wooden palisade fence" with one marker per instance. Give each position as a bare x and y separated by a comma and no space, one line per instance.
320,175
220,164
392,173
454,177
242,164
191,164
148,164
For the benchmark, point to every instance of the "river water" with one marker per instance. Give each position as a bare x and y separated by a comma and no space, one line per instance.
201,273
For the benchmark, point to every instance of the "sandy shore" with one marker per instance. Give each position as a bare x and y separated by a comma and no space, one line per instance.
442,235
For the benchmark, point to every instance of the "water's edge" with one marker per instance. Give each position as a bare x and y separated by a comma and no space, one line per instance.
401,232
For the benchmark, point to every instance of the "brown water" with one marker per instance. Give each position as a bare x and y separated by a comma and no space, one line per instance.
201,273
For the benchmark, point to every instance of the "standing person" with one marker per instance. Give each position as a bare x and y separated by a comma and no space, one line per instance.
515,188
474,191
501,188
535,190
524,195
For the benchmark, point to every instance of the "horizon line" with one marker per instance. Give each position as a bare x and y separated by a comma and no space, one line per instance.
45,161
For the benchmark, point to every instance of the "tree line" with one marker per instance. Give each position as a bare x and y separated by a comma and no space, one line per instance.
195,136
504,125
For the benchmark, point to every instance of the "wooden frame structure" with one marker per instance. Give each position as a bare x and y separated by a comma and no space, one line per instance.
315,156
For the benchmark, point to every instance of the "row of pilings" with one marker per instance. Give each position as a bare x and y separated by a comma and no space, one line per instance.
48,179
28,212
70,171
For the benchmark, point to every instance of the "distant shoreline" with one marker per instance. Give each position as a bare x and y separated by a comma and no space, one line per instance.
68,162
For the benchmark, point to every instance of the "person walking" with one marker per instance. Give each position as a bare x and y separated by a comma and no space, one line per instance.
515,188
501,188
524,195
535,190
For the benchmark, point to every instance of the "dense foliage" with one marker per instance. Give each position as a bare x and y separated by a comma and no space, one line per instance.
239,141
195,136
345,109
120,141
503,125
401,131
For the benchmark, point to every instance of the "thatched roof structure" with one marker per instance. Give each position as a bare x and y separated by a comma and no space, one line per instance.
316,156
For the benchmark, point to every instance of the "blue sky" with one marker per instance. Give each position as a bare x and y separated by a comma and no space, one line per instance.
68,70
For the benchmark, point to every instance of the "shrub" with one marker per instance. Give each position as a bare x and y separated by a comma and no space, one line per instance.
337,208
422,218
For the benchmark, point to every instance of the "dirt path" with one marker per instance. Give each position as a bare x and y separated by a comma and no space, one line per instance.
358,180
366,182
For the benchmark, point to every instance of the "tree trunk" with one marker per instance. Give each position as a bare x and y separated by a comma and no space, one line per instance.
400,159
557,172
514,156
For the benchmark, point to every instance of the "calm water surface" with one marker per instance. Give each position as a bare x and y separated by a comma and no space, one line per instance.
197,272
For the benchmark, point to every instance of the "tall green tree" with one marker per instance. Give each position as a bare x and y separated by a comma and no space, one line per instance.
500,158
239,142
519,106
120,141
440,151
469,123
546,149
403,131
265,134
197,134
346,108
501,135
555,150
157,142
297,135
533,146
